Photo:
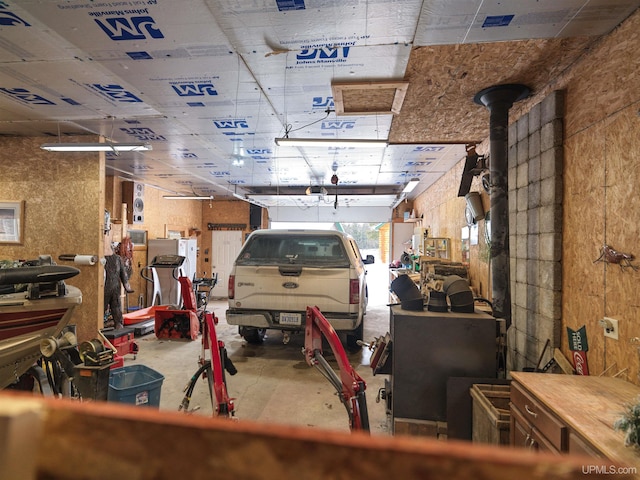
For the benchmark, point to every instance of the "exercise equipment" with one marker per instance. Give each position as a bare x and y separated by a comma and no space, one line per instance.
174,263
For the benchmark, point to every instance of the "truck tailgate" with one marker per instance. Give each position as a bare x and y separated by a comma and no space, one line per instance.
292,288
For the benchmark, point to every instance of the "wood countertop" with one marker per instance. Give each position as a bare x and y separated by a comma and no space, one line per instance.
589,406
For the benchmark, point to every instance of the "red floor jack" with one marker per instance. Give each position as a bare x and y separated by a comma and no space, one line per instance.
349,385
213,368
122,341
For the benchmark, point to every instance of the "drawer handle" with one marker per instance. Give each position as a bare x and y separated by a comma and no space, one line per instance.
529,442
530,412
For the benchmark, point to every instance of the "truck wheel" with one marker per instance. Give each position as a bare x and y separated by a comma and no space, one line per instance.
354,335
254,335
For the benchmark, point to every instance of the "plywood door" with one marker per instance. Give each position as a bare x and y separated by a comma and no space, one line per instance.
225,246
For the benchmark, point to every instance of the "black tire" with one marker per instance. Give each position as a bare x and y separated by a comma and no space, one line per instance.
354,335
34,380
254,336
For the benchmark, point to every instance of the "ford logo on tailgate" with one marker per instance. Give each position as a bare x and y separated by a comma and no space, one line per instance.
290,285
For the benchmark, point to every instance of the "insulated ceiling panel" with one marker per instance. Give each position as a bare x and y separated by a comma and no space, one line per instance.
70,90
211,83
444,22
274,27
320,67
132,30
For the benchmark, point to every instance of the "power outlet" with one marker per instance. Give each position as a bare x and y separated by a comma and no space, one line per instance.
610,327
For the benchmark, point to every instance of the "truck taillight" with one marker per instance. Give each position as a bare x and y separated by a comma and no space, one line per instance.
231,290
354,291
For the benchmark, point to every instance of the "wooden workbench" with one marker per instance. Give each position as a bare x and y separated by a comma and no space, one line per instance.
572,413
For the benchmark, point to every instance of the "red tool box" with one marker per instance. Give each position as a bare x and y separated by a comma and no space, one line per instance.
123,341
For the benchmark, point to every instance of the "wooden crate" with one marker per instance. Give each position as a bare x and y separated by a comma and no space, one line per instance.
420,428
490,414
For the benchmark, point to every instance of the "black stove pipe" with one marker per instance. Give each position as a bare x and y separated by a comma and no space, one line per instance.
499,99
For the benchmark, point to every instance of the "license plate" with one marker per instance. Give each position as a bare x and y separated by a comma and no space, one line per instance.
290,319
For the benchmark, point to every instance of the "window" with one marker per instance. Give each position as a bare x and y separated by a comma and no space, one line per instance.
311,250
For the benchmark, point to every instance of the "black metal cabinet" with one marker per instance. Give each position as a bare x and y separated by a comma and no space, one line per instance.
430,347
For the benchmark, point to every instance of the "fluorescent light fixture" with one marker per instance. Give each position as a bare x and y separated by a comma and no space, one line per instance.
329,142
413,183
189,197
96,147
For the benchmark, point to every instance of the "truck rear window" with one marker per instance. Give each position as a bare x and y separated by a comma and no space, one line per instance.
287,249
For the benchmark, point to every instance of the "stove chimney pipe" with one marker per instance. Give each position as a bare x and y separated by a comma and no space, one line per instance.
499,99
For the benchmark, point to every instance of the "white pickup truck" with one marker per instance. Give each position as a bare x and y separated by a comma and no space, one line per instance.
278,273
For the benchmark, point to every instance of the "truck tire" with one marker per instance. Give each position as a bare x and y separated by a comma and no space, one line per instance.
254,336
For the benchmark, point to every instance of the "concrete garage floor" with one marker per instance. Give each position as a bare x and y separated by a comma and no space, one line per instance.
274,384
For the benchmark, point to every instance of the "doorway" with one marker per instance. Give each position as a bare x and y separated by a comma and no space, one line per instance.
225,246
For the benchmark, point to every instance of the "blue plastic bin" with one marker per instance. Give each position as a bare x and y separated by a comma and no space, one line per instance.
135,384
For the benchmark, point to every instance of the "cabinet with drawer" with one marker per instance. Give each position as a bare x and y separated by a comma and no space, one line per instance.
571,414
540,428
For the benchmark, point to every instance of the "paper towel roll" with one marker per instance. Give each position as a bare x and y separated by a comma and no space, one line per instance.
85,259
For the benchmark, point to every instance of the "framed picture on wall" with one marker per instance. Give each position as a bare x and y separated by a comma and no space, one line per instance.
11,222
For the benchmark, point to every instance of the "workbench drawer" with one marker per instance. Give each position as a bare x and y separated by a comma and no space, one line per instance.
524,435
580,447
539,417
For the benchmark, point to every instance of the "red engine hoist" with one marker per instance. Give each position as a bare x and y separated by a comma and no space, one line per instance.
349,385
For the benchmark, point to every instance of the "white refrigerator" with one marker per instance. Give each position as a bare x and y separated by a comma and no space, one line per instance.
170,287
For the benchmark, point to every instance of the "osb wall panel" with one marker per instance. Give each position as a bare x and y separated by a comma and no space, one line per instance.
622,231
607,77
63,214
162,214
598,81
602,148
112,202
602,198
450,75
443,213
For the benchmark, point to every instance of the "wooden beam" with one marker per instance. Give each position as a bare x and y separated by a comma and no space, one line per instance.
92,440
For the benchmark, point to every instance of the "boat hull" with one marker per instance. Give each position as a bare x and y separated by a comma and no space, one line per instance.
24,323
